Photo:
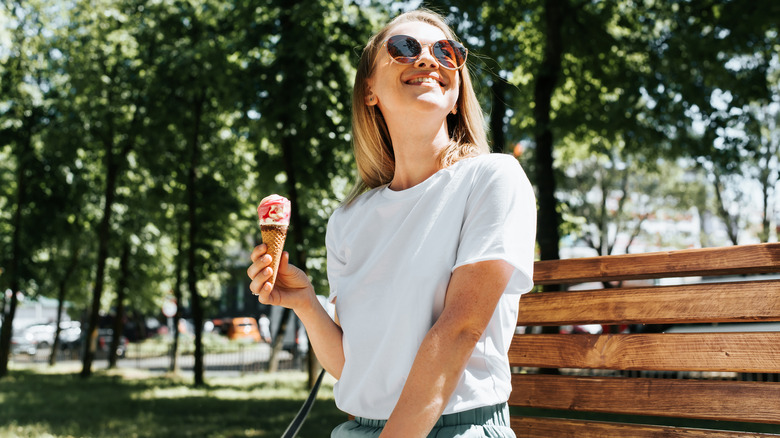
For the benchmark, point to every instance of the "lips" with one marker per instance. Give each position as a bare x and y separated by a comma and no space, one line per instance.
419,80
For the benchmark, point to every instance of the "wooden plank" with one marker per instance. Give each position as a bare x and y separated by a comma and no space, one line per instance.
692,303
757,402
733,260
532,427
757,352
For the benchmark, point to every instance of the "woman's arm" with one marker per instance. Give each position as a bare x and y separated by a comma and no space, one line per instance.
473,293
325,336
294,290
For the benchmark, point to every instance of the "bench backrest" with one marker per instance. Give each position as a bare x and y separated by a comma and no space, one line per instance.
621,377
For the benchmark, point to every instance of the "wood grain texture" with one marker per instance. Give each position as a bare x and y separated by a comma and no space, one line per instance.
530,427
748,301
733,260
757,352
757,402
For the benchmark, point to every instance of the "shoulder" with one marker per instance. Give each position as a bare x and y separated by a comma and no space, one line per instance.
501,162
489,163
495,168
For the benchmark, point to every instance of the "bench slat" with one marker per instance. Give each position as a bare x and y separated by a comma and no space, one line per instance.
733,260
531,427
709,400
757,352
693,303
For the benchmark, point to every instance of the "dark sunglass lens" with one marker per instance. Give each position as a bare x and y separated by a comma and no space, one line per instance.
403,49
450,54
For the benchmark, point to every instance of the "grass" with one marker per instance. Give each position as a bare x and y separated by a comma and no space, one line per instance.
56,402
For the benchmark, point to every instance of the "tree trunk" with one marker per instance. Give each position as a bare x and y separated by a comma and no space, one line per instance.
497,115
177,296
766,185
61,295
104,231
546,83
298,252
14,273
732,222
278,341
55,346
118,325
192,280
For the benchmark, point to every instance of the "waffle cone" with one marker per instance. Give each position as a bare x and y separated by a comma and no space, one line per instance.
274,237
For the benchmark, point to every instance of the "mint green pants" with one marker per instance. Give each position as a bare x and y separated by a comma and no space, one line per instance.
489,422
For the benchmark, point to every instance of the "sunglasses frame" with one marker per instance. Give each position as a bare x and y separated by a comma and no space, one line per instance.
455,45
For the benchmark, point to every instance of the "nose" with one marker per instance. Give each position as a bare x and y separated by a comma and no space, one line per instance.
426,58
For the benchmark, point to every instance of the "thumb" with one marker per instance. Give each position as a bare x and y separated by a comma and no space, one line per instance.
284,262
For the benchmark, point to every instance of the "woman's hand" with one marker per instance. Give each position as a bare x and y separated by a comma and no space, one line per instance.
292,289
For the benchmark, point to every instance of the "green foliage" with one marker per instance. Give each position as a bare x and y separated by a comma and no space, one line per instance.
236,100
300,62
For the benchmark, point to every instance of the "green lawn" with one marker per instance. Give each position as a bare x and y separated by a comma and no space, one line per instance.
56,402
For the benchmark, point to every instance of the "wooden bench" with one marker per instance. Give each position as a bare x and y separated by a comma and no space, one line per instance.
612,385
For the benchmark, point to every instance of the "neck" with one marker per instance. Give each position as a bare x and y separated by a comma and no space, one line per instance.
417,153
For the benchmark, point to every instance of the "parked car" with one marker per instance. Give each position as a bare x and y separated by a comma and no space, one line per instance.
70,334
33,338
243,328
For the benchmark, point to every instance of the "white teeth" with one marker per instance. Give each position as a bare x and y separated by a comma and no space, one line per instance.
422,80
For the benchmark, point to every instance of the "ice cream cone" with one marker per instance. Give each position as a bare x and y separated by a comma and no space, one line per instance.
274,237
273,215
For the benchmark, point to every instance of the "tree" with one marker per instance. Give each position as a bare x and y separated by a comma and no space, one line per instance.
299,98
106,70
612,199
762,130
24,114
710,60
198,88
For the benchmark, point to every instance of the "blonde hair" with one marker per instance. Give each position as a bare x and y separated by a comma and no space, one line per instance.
372,145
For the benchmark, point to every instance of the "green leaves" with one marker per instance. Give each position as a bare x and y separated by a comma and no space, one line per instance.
260,93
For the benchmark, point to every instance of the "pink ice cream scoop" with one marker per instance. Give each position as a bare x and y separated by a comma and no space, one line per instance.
274,210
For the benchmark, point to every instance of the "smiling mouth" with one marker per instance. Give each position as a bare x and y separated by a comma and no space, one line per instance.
424,80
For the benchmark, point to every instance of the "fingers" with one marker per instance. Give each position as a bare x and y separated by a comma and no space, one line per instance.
258,251
260,272
261,287
284,261
258,265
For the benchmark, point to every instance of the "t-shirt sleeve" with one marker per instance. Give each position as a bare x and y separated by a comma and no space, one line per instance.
500,221
335,260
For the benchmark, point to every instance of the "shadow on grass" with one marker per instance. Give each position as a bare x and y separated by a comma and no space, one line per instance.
107,405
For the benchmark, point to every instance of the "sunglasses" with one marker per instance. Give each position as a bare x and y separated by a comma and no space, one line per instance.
404,49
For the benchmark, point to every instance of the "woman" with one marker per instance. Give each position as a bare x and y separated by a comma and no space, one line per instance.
428,257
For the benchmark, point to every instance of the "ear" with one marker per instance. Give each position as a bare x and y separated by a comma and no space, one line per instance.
370,97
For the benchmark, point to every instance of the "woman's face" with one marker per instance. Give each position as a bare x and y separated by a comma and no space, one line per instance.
421,86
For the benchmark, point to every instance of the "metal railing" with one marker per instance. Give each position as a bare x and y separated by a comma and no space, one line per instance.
238,358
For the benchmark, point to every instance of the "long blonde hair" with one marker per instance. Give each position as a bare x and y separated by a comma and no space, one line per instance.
372,145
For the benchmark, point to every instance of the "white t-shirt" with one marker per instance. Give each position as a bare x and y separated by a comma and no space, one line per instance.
390,257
